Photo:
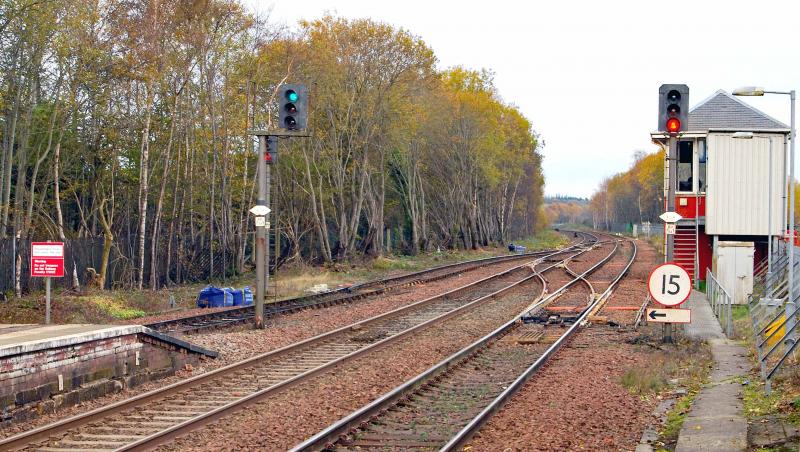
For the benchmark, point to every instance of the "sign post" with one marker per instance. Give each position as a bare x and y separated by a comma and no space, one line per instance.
669,285
47,261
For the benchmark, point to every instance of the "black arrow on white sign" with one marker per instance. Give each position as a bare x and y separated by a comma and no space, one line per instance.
653,315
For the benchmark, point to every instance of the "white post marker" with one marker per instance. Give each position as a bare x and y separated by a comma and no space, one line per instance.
669,285
670,217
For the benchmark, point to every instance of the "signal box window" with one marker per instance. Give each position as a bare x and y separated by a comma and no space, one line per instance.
702,155
685,166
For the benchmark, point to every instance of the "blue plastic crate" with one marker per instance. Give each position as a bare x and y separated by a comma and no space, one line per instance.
238,297
214,297
248,296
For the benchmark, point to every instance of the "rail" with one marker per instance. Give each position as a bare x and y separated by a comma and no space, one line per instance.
721,303
451,296
466,433
323,439
238,315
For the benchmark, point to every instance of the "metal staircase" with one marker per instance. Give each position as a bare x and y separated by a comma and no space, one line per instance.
685,251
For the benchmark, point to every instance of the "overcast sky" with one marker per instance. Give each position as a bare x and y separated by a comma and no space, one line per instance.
586,73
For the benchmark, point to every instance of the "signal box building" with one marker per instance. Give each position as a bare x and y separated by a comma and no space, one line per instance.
726,189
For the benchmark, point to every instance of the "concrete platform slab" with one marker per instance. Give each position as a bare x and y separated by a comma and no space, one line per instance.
18,339
44,368
716,421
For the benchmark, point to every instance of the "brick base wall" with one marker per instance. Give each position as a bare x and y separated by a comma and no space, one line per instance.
44,381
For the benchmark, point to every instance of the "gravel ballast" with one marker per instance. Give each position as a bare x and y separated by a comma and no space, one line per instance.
577,401
242,342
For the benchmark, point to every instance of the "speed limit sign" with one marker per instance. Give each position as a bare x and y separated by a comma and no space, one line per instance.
669,284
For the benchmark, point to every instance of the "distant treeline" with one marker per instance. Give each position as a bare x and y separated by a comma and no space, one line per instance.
632,196
127,121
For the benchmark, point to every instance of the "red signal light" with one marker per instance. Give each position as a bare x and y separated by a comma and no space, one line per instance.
673,125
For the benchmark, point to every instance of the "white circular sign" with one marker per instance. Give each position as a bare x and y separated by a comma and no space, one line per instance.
669,284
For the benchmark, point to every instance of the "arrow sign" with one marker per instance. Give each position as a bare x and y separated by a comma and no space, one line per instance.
670,217
669,315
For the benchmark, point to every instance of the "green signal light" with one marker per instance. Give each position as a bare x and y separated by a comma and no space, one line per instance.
292,96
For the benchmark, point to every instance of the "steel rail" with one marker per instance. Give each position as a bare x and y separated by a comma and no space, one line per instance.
600,306
577,277
466,433
166,435
181,429
323,439
47,431
237,315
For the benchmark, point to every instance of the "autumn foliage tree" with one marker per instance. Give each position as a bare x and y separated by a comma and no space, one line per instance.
125,127
632,196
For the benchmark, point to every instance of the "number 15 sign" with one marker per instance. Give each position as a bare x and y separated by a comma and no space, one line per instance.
669,284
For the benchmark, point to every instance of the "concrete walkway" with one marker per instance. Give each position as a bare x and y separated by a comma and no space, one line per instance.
715,421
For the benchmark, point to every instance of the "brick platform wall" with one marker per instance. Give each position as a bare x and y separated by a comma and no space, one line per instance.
46,380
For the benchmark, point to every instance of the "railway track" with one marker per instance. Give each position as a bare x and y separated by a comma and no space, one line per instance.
158,416
441,408
239,315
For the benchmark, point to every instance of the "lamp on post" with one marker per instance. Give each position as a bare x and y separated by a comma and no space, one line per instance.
759,91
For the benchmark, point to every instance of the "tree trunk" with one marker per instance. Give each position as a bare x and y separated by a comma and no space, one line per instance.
160,205
144,184
106,220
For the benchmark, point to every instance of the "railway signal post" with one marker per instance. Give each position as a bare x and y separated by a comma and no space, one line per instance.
292,122
673,118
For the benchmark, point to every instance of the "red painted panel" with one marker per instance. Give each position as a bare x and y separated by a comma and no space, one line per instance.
760,252
704,247
688,211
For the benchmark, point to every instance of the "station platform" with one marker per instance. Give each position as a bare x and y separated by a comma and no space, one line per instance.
44,368
18,339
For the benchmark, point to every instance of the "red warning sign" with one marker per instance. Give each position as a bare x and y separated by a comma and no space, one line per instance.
47,259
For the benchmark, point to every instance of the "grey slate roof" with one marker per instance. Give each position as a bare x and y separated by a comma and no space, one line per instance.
725,111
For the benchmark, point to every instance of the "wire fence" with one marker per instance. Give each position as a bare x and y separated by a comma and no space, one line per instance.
645,229
83,259
773,312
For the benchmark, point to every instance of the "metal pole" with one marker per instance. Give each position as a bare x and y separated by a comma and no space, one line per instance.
791,200
673,180
47,300
272,146
672,158
261,235
769,221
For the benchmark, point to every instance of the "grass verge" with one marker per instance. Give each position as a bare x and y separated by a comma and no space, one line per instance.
677,371
94,306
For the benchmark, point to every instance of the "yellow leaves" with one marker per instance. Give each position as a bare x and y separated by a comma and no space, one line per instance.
632,195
